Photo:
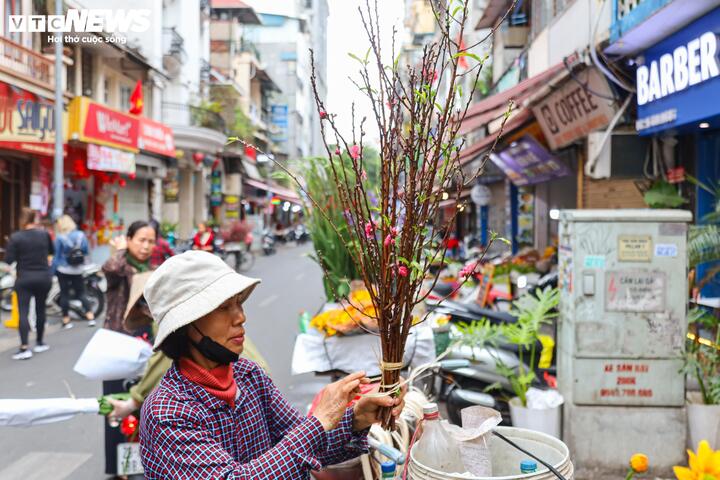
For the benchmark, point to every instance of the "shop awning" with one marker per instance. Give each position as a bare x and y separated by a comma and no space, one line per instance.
493,11
280,192
239,9
495,106
527,162
251,170
480,147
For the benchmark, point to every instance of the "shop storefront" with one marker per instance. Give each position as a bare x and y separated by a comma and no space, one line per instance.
678,87
114,167
27,138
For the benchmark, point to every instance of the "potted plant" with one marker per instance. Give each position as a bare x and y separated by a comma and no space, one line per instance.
702,363
532,310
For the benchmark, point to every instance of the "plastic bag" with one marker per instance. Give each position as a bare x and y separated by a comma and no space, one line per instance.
473,438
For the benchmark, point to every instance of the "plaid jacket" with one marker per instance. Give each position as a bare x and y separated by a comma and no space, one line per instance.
185,433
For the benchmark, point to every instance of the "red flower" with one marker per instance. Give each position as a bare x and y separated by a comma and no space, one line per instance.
468,270
132,176
337,151
370,229
402,271
389,240
129,425
323,115
355,152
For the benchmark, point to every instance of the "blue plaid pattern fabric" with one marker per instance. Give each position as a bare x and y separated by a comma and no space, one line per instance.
186,433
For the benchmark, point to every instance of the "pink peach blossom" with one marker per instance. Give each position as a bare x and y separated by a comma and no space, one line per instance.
355,152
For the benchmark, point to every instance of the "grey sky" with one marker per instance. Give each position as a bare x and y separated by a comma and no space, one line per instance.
346,34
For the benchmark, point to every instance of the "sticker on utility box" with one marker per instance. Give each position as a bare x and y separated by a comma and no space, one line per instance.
635,291
666,250
595,261
635,248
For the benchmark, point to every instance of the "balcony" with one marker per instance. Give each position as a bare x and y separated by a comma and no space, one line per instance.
174,55
248,46
26,64
204,70
182,114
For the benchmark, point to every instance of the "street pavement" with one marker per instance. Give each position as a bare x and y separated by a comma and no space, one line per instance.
73,449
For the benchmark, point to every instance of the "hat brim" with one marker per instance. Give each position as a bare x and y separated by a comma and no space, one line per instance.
204,302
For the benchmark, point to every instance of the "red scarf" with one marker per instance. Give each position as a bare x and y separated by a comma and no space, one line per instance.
219,382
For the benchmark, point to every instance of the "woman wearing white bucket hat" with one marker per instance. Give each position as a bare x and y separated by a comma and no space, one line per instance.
216,416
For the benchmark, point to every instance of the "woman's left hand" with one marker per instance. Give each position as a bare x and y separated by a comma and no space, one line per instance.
367,408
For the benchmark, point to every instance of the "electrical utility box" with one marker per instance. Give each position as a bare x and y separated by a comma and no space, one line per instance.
623,320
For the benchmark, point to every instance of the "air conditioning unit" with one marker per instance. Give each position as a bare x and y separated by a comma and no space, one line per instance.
622,155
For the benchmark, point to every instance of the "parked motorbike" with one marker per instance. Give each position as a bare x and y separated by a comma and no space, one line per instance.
301,234
95,288
268,242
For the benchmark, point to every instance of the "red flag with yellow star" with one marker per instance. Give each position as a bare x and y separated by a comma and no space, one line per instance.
136,99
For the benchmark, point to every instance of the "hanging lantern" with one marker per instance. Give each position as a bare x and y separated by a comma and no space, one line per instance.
132,176
198,158
122,183
216,163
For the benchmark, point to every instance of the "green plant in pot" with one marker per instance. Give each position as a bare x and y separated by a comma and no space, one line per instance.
702,363
532,310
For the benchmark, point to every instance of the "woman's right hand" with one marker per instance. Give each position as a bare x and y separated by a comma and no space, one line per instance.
118,243
335,399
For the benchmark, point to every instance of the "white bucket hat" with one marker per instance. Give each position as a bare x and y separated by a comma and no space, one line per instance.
189,286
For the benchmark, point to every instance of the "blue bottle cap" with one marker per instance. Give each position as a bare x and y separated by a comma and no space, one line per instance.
528,466
387,467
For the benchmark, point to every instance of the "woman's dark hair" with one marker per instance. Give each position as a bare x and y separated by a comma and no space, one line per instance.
176,345
155,225
27,216
135,226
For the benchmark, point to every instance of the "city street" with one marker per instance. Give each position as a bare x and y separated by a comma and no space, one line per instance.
74,449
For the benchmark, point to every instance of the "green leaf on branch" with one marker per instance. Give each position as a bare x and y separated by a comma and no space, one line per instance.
355,57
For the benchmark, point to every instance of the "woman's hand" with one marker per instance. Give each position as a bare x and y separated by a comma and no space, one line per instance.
367,408
119,243
335,399
122,408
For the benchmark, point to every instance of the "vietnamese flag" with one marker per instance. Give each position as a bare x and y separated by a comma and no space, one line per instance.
136,99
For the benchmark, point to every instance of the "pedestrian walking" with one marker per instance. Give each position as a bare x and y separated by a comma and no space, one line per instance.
204,238
71,250
217,416
162,250
31,248
132,256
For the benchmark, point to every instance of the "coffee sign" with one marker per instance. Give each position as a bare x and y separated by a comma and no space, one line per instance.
574,110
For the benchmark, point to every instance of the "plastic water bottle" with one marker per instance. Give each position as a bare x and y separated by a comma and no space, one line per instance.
436,449
388,470
304,322
528,466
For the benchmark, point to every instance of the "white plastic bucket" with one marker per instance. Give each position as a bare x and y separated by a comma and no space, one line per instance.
545,421
506,458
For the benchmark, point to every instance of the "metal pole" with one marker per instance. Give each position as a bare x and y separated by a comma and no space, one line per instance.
58,197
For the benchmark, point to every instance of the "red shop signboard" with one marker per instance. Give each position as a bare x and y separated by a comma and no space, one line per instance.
91,122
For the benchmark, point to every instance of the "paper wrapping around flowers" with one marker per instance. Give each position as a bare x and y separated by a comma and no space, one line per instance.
28,412
314,352
113,356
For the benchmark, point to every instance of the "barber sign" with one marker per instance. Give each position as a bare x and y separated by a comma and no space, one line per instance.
678,79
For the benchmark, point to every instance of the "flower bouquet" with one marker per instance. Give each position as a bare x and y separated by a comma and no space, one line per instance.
418,109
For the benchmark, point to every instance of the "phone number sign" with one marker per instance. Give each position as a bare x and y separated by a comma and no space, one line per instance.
645,382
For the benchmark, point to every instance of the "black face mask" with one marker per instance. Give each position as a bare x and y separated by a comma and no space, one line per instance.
212,350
